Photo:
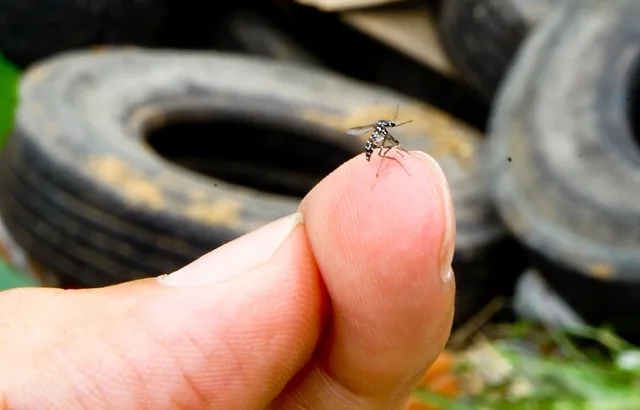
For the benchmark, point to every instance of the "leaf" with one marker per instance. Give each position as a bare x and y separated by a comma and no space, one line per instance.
12,278
427,397
9,78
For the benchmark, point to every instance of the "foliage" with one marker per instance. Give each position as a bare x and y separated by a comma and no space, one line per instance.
588,369
12,278
9,77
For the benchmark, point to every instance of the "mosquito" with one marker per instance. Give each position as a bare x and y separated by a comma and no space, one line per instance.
380,138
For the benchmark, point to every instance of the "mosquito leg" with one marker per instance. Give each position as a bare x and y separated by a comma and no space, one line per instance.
395,144
392,158
385,144
401,148
401,164
383,157
385,153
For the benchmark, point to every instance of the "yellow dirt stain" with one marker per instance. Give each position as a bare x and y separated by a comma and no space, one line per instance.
224,211
51,129
36,269
4,253
197,195
602,271
99,48
36,109
147,116
106,48
123,178
37,73
446,135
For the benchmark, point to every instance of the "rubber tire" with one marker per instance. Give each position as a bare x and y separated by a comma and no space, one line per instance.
481,37
54,25
535,300
81,192
571,194
249,31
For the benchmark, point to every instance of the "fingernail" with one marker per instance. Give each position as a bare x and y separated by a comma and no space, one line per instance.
449,241
235,257
448,275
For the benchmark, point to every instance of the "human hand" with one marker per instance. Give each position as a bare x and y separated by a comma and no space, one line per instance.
344,305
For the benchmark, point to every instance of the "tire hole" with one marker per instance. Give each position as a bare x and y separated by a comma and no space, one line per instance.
258,156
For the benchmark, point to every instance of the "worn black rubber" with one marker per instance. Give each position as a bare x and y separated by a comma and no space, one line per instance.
83,193
31,30
568,118
481,37
249,31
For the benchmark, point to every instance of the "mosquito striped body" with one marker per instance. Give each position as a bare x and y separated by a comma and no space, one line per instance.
380,138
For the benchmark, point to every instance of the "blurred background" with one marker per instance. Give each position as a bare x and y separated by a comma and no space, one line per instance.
137,135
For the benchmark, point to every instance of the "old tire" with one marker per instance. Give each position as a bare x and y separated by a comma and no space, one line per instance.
83,194
482,36
249,31
568,118
31,30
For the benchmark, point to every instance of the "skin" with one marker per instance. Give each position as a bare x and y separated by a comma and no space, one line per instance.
347,312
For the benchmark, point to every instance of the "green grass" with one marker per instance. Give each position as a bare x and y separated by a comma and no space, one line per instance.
586,369
9,77
12,278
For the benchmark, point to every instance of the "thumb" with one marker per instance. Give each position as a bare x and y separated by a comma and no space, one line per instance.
228,331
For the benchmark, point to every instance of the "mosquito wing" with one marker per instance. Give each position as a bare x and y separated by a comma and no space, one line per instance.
360,130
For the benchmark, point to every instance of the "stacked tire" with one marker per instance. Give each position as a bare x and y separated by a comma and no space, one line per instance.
31,30
482,37
566,111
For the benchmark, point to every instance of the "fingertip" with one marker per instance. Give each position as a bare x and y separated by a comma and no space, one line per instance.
406,210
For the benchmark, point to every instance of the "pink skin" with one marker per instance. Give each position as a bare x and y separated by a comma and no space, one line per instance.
347,313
